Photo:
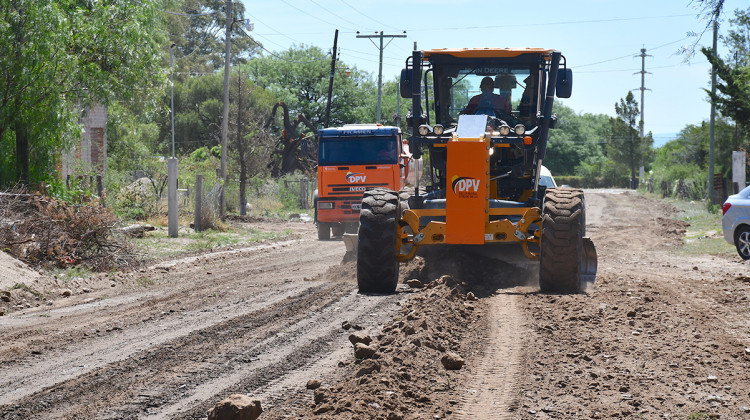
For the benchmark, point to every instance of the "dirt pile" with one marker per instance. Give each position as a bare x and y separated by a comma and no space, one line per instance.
405,371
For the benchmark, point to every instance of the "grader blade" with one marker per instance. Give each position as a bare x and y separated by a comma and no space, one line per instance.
350,242
589,262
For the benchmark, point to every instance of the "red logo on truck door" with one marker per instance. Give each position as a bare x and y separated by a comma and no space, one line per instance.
465,187
354,178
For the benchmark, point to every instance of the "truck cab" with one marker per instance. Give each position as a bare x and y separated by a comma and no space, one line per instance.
351,160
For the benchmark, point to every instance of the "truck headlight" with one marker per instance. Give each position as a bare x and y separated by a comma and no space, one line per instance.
325,206
520,129
504,130
438,129
424,130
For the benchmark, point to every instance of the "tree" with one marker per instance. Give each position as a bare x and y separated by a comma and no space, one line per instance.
250,142
625,146
57,57
199,37
576,139
733,98
286,158
299,77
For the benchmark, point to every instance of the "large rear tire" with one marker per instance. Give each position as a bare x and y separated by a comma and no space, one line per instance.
563,224
377,266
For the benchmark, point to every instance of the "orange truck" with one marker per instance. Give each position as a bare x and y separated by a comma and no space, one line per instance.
351,160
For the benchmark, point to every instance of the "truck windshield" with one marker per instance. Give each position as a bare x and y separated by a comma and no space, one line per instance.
358,151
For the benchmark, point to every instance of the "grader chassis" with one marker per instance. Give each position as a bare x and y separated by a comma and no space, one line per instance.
484,168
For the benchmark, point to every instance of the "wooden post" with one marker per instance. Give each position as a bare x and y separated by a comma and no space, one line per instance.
198,197
100,189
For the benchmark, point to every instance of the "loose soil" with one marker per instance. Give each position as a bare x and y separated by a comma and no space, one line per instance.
660,335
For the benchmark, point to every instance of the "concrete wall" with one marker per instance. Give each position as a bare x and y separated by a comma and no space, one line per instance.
91,153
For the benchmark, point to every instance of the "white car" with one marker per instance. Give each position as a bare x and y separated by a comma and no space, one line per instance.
546,179
735,222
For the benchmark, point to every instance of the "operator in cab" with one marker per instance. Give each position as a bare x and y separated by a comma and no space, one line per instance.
487,102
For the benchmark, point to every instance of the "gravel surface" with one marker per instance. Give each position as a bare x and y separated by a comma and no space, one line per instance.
660,335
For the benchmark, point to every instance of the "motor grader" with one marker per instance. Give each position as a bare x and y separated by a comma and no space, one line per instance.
485,154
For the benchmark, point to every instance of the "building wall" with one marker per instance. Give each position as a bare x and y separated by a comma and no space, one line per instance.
91,153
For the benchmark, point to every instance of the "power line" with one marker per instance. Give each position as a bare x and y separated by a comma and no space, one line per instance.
528,24
308,14
627,56
368,16
635,69
329,12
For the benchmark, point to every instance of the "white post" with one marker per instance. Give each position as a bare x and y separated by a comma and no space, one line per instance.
738,170
172,196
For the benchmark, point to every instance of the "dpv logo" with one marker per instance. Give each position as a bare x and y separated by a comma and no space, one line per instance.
353,178
465,187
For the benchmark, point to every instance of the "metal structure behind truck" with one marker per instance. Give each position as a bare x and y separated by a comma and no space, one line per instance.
352,159
484,167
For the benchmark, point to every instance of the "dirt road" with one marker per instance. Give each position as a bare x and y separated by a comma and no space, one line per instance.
661,334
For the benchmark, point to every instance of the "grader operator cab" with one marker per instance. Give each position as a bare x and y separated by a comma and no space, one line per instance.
483,116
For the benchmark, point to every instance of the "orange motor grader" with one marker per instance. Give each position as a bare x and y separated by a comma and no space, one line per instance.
482,116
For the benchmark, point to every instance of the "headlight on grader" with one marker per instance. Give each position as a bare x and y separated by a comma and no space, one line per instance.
520,129
424,130
504,130
438,129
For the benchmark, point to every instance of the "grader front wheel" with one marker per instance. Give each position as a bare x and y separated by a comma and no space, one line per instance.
377,266
567,260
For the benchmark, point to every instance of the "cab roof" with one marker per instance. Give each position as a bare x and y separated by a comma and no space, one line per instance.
359,130
486,52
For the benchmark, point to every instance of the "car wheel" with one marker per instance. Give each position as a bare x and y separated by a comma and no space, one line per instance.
742,241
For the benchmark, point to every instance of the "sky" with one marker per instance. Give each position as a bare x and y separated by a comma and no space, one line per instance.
601,41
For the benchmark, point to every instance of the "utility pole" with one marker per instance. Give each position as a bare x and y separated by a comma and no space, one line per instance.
641,123
643,88
225,112
330,80
711,139
380,35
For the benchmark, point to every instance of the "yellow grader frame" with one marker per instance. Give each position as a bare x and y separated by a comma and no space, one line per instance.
484,170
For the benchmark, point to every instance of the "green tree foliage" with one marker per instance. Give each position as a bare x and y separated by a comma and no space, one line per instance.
58,56
299,77
249,142
687,156
733,97
576,140
625,146
199,37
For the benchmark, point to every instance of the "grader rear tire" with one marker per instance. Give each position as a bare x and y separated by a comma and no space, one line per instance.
561,260
377,266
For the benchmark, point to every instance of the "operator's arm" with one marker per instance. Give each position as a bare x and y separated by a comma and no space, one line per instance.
471,107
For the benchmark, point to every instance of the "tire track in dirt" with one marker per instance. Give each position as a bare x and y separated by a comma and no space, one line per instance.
492,391
19,382
244,323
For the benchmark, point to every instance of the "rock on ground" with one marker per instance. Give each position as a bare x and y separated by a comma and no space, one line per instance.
236,407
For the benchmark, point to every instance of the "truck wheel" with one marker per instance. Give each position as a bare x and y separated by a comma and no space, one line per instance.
561,257
377,266
324,231
337,230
